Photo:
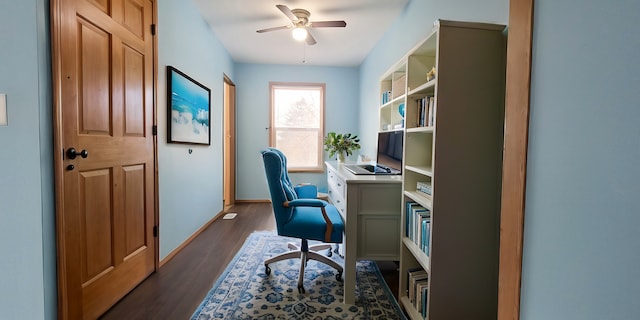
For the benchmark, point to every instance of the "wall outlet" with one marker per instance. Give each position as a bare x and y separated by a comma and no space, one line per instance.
3,109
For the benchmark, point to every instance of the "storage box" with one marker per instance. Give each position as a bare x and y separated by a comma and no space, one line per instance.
398,86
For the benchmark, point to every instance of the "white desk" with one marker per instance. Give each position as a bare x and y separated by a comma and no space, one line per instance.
370,207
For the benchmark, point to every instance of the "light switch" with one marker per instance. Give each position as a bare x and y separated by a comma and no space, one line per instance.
3,109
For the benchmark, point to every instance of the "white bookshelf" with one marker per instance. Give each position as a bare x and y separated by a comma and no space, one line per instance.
458,155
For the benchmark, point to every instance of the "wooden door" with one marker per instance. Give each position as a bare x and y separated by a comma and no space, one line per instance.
103,69
229,143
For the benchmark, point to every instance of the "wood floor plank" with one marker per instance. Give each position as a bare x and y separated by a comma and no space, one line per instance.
178,287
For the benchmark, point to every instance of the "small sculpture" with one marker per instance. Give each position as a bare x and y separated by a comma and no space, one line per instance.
431,74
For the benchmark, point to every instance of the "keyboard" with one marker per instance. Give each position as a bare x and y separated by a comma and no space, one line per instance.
376,169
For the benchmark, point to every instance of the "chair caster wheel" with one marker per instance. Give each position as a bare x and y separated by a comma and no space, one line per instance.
330,253
267,270
300,289
339,277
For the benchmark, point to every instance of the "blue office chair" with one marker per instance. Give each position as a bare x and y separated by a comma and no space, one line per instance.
300,215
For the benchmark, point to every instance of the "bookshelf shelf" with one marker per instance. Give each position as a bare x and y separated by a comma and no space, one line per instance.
395,101
422,199
428,129
423,170
411,311
453,126
423,90
420,256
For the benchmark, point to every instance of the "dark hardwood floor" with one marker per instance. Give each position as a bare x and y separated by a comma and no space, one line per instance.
178,287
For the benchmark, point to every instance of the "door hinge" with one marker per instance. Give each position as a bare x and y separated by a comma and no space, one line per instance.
155,231
154,130
153,29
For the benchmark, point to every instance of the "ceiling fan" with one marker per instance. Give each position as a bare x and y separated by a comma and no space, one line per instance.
300,24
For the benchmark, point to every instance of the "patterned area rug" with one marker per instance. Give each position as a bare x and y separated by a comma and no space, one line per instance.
244,291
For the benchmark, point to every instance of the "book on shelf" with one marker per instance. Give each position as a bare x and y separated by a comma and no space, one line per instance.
415,275
423,187
421,296
425,301
414,211
421,111
386,97
417,219
420,217
426,234
426,111
409,218
432,111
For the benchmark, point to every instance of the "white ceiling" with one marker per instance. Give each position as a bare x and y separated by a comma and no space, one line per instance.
234,22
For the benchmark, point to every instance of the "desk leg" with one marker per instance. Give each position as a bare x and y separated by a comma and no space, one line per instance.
350,253
349,281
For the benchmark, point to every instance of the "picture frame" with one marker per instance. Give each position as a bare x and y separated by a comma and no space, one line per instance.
188,109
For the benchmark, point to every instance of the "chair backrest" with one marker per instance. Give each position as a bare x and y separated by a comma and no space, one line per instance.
280,186
284,164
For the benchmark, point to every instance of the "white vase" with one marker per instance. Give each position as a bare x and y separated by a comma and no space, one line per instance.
340,157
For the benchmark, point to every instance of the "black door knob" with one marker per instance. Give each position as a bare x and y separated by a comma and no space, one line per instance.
72,153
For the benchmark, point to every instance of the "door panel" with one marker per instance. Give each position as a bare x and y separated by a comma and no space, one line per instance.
103,61
96,221
134,92
134,218
134,17
94,83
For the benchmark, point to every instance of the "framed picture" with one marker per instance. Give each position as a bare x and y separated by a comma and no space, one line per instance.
188,109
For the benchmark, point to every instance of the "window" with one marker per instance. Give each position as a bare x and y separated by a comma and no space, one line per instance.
297,123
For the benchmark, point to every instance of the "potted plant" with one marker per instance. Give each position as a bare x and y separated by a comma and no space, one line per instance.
341,144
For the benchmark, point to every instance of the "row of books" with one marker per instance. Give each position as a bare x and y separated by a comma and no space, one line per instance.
386,97
426,111
424,187
418,225
417,289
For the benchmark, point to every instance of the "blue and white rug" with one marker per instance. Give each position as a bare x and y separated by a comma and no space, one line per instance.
244,291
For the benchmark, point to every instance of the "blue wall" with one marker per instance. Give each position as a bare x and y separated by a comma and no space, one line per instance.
252,81
582,216
27,242
190,184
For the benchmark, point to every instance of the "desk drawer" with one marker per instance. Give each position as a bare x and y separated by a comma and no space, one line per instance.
335,184
339,203
337,192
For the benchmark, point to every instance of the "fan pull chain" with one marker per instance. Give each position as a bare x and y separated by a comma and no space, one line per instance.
304,52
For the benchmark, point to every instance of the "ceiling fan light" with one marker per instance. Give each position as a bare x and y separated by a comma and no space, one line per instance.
299,33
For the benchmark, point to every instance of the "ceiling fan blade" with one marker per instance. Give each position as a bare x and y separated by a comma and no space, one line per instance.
287,12
327,24
310,39
273,29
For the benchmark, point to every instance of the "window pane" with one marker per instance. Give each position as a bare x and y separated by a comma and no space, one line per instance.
295,144
297,128
297,108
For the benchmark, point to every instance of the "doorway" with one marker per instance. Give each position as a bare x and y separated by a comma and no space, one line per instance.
229,143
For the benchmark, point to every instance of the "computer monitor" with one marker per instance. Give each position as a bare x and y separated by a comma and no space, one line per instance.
389,152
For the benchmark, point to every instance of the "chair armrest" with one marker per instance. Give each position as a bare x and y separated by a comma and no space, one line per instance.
315,203
306,191
306,203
